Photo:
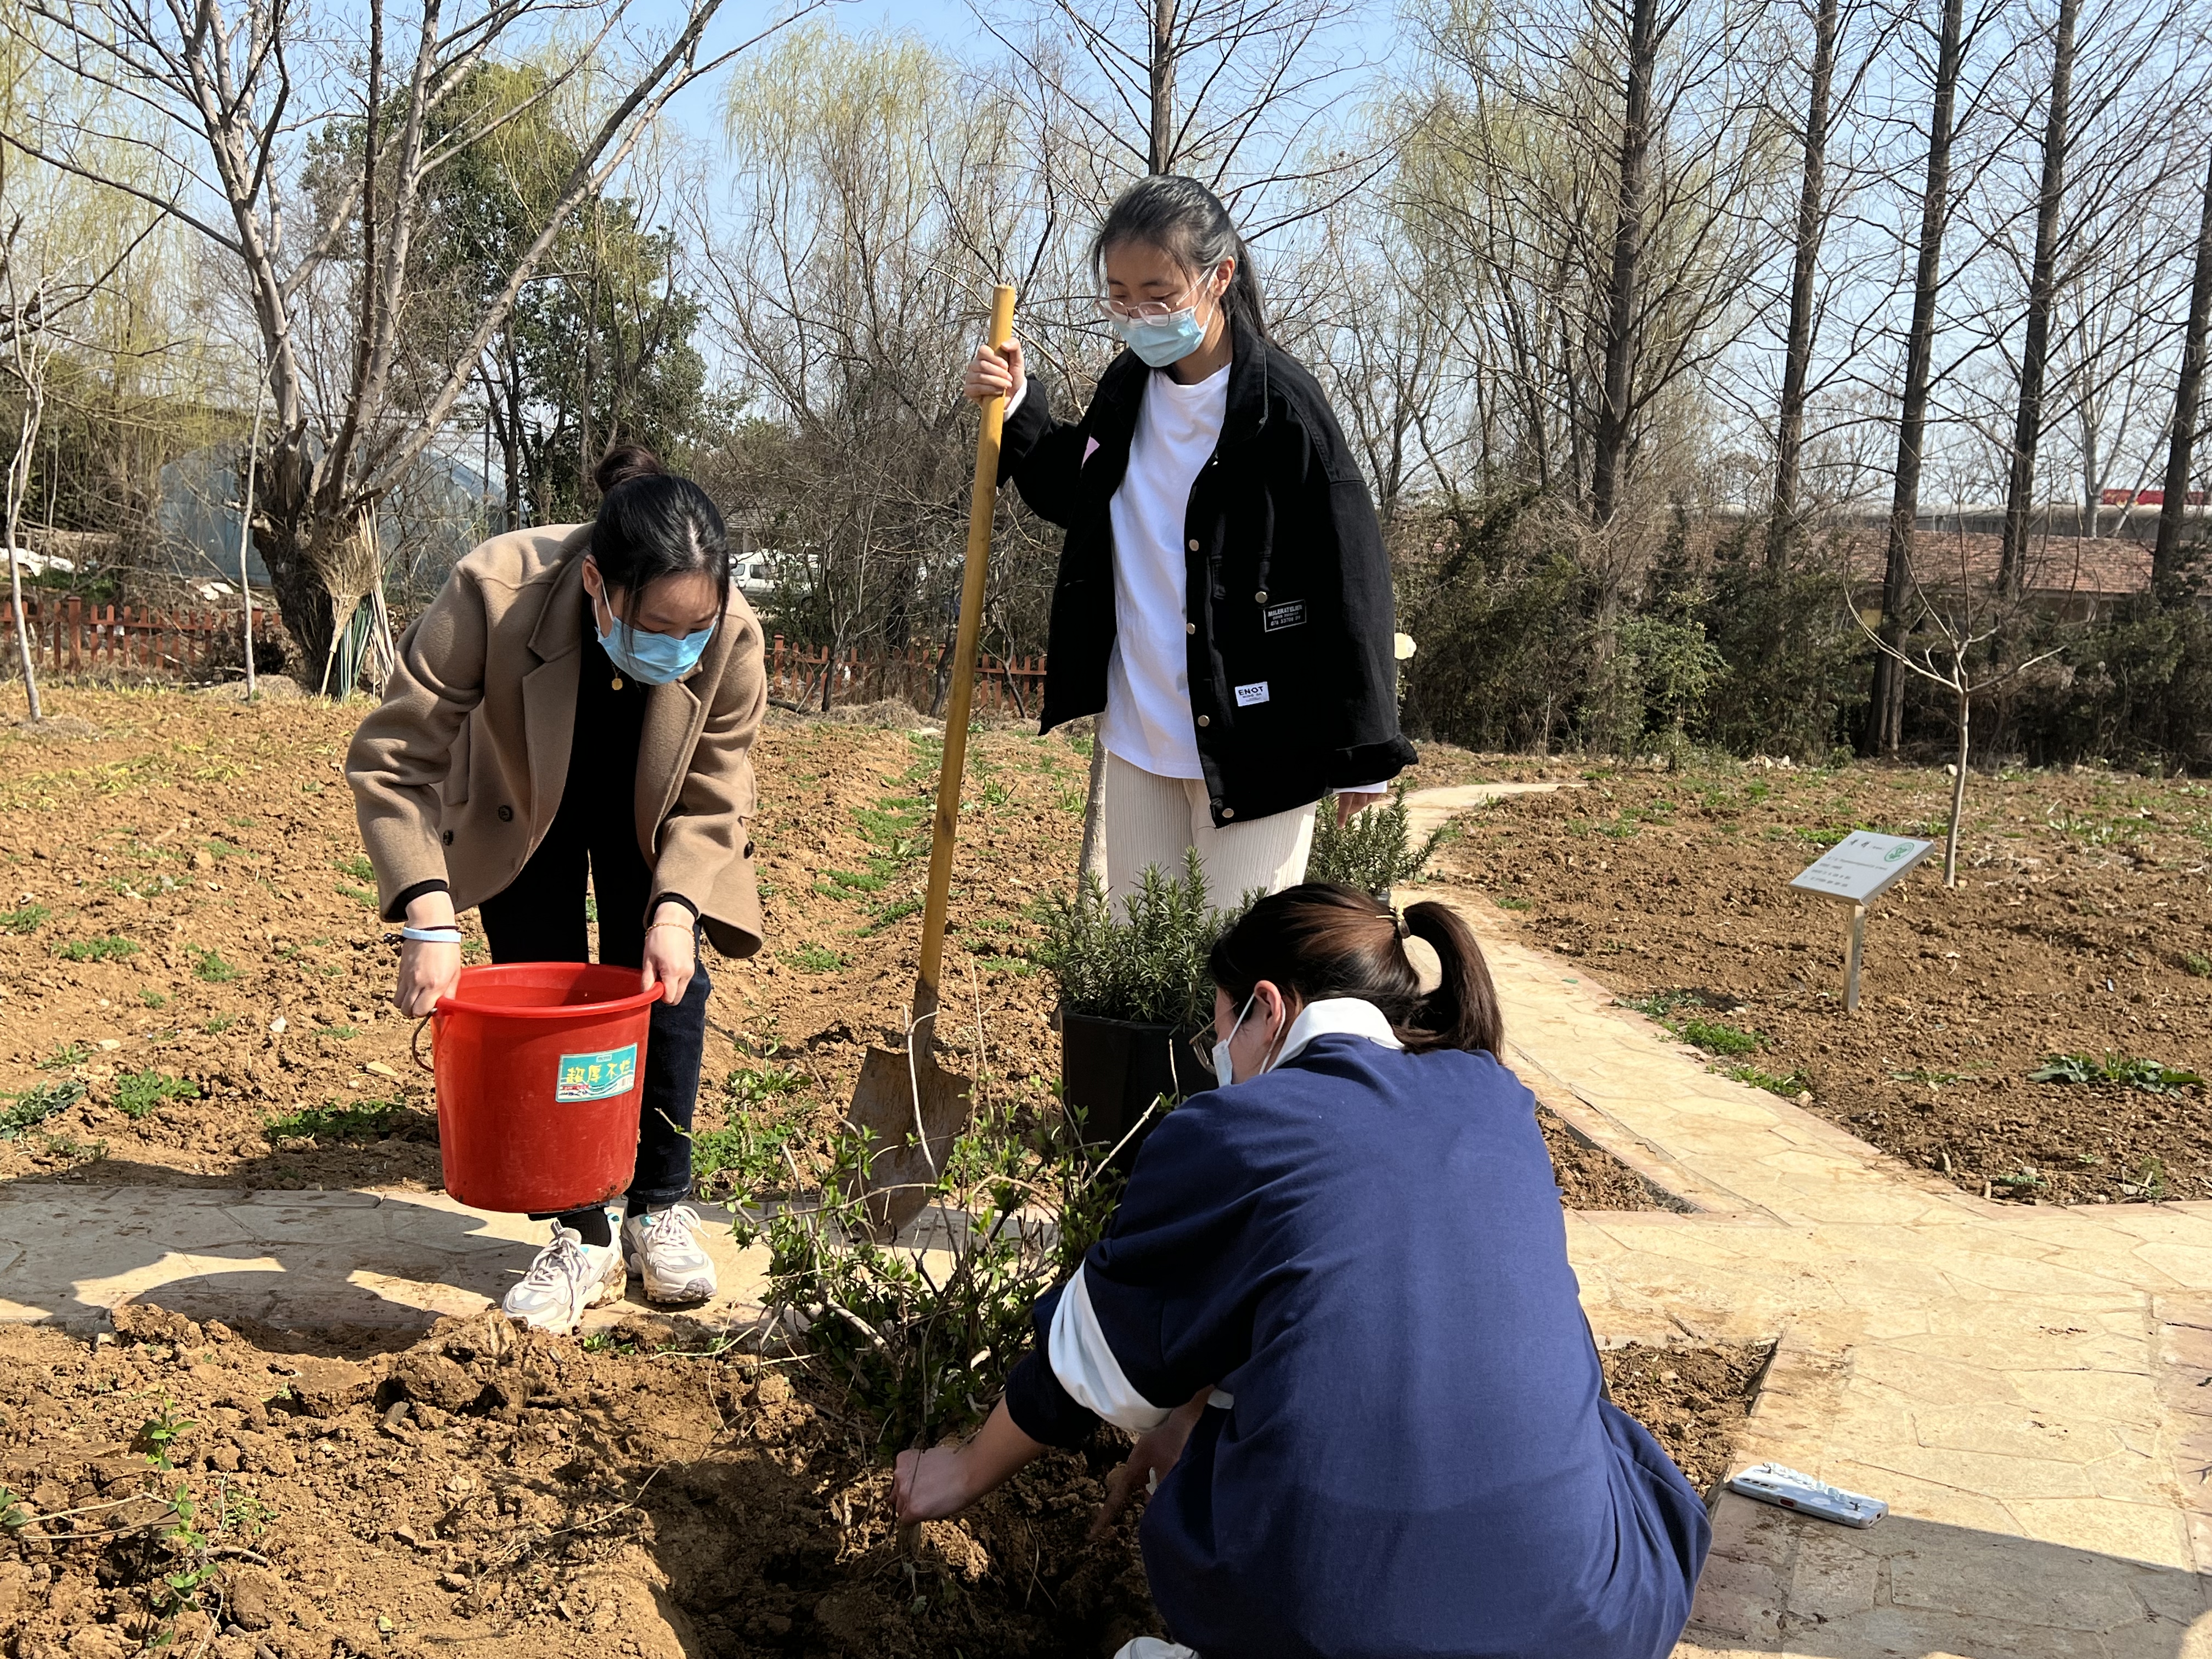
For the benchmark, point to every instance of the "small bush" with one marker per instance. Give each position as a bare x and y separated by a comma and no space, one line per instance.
138,1093
1149,967
111,947
1374,853
35,1106
2151,1076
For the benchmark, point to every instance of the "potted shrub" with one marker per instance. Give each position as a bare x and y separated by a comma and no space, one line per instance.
1374,853
1136,998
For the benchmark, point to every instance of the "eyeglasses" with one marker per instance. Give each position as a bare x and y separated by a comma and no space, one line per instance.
1149,311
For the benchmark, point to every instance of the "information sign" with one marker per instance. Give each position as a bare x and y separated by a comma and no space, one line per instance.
1855,870
1862,865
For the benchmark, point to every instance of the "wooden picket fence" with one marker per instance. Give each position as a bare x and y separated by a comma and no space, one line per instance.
68,636
795,674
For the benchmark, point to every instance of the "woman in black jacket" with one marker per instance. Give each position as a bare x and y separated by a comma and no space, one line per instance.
1223,599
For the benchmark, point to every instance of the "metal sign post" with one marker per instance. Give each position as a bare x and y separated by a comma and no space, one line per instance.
1858,870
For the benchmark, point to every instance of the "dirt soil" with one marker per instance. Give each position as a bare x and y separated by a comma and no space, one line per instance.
532,1499
2081,925
192,972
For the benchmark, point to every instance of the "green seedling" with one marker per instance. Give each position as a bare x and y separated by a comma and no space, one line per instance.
153,999
815,959
2197,963
35,1106
2151,1076
218,1025
369,1120
210,966
1789,1085
110,947
69,1055
1716,1038
24,918
138,1094
356,866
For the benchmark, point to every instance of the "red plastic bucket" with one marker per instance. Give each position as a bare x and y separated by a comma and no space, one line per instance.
538,1064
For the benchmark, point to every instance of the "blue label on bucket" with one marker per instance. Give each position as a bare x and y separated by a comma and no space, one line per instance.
595,1077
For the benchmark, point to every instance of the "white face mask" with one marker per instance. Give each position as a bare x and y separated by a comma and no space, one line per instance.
1225,1068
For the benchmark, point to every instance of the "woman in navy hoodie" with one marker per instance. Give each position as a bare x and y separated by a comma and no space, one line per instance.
1335,1308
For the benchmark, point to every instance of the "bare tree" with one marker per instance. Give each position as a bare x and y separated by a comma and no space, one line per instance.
227,82
1885,722
2042,288
1954,659
2188,393
1812,223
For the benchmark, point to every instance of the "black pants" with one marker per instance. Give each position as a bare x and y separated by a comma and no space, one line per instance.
540,918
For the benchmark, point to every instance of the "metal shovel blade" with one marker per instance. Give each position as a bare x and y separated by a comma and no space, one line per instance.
899,1093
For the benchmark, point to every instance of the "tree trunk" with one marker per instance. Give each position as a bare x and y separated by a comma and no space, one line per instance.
1812,220
1159,148
2042,290
2181,442
1958,782
1885,712
1613,415
286,537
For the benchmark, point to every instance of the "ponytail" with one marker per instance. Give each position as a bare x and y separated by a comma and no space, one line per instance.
1187,222
1321,941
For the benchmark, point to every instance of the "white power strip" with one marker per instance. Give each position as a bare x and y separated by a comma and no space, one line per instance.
1786,1488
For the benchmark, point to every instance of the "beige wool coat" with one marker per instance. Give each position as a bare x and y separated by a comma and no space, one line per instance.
457,776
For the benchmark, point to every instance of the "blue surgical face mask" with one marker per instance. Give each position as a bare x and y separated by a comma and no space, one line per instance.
1160,341
651,658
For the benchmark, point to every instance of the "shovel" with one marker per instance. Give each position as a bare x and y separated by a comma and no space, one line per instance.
909,1106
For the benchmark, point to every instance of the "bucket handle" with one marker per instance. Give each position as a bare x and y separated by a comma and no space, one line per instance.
415,1045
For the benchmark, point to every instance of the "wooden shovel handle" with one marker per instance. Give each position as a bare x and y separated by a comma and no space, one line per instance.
982,507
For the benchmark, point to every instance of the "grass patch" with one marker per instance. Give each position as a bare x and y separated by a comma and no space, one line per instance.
1716,1037
815,959
69,1055
1788,1086
1515,904
218,1025
368,1120
109,947
153,999
210,966
2197,963
342,1033
138,1093
2151,1076
24,918
35,1106
356,866
360,896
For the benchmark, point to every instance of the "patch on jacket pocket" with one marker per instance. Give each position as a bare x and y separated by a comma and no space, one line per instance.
1291,614
1248,695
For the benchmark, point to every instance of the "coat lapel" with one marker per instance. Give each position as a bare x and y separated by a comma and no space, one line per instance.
549,691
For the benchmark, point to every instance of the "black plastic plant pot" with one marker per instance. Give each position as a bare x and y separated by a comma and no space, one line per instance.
1110,1070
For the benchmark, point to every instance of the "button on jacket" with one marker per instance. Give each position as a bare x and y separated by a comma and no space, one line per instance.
1293,677
458,774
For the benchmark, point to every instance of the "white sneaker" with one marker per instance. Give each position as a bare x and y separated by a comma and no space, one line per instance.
658,1248
568,1277
1151,1647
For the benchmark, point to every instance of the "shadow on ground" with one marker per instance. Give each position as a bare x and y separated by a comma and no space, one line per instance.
1907,1588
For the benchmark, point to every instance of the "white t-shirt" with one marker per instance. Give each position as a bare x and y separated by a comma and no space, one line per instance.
1148,720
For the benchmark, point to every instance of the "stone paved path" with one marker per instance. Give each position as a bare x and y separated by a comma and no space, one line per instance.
2029,1386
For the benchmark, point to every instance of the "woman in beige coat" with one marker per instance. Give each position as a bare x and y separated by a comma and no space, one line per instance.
582,698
